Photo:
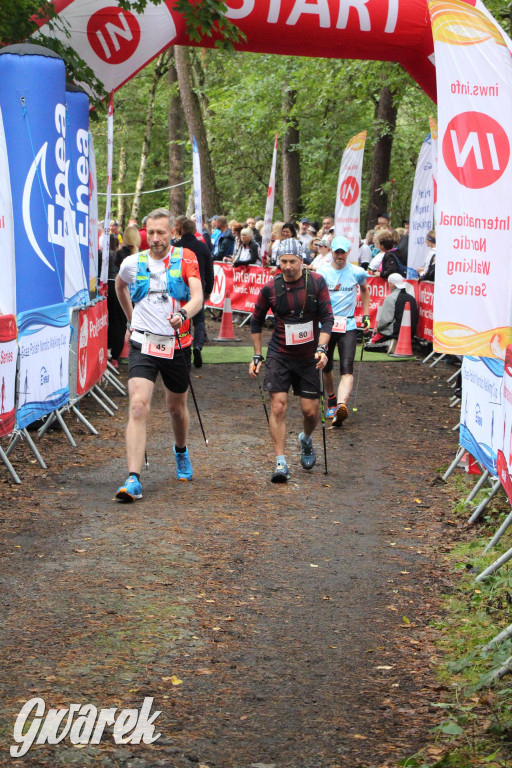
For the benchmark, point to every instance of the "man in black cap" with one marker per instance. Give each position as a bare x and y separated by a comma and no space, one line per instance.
186,230
300,302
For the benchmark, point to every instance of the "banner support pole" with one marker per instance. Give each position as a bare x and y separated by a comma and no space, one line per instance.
9,466
478,511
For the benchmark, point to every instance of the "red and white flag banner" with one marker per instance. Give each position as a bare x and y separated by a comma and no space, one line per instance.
473,299
106,224
422,209
92,346
8,358
269,208
348,194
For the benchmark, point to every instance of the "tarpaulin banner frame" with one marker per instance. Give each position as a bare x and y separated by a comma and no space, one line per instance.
43,337
91,346
481,414
8,362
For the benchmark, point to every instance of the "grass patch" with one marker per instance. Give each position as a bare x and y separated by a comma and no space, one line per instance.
221,353
477,726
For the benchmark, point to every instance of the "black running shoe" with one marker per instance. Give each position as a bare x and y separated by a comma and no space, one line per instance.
198,358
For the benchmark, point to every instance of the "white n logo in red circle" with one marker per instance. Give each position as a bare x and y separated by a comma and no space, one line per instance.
476,149
349,191
113,34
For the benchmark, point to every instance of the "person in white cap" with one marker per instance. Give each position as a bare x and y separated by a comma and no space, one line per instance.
391,312
343,279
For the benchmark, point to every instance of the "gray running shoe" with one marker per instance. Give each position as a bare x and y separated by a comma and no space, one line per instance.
308,455
281,474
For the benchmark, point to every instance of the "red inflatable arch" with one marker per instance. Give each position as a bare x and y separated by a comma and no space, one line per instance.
117,44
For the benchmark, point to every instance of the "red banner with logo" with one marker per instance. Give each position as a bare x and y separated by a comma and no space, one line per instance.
92,346
8,357
244,284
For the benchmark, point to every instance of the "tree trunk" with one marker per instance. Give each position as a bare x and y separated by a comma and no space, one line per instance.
160,70
196,127
121,175
385,118
292,205
176,145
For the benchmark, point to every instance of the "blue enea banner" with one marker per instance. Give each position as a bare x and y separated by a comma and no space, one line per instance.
481,416
43,376
77,163
32,95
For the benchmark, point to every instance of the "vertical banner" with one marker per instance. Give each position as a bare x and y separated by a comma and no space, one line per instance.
32,94
8,281
8,359
269,208
481,415
196,163
93,220
106,224
76,285
433,138
472,311
43,385
422,209
348,194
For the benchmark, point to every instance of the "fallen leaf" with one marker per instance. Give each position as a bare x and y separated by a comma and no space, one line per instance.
385,667
406,620
418,501
312,565
358,736
175,680
80,551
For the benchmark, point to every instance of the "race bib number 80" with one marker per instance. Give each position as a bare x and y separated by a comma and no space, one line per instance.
299,334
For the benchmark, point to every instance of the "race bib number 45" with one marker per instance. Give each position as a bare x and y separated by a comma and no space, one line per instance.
158,346
299,334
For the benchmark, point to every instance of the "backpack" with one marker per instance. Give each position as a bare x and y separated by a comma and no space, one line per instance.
311,302
391,263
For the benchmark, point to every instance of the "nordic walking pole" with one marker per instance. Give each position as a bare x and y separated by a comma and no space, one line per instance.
192,390
358,374
263,400
322,412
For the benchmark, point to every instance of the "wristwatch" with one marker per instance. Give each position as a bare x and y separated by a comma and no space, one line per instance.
183,313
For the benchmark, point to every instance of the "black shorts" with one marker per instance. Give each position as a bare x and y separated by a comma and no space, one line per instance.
174,372
346,343
281,373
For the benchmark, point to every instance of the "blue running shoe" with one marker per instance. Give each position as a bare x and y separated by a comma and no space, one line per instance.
281,474
183,466
308,455
329,413
131,490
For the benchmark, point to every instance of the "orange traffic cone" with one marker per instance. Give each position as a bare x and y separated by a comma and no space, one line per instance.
404,345
227,332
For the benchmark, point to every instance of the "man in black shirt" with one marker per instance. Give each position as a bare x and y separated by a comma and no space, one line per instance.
300,301
186,231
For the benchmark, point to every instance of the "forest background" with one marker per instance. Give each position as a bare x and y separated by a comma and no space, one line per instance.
234,103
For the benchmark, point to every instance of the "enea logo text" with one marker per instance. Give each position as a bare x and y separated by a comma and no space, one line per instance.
57,193
476,149
44,376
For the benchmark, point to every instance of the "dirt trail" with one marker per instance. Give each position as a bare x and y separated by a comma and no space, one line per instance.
280,608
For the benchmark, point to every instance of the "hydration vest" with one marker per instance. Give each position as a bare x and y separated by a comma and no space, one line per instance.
176,286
